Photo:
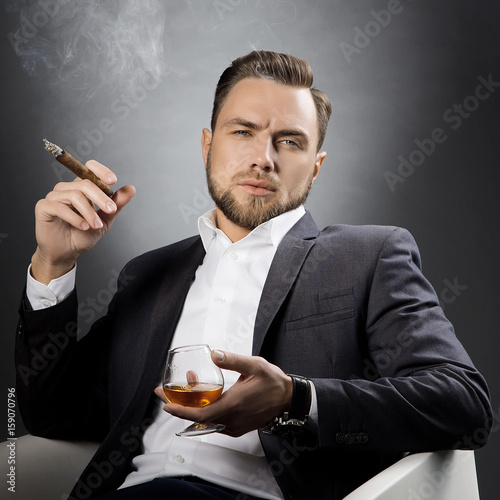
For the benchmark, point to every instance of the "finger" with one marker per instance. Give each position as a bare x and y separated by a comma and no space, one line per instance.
47,211
236,362
159,392
91,191
189,413
103,172
192,378
120,198
123,196
79,203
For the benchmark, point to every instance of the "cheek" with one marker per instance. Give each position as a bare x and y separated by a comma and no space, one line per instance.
229,159
297,176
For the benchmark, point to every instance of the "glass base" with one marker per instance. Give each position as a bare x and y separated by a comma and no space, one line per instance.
200,429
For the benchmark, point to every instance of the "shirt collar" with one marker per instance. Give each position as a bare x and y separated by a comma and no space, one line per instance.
272,231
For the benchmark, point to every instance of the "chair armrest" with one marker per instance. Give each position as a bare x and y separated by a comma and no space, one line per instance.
440,475
45,468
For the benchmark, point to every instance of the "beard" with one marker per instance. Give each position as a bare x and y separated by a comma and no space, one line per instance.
255,210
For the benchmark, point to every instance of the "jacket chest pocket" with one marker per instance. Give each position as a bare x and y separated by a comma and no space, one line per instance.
321,308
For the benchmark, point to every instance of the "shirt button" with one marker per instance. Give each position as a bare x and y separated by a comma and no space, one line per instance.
221,300
46,303
179,459
233,256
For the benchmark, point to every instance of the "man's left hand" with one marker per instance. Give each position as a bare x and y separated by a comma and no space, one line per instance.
262,392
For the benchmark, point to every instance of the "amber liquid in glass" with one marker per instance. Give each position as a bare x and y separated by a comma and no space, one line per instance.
196,396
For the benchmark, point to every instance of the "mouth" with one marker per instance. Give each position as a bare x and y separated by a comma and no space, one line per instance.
257,187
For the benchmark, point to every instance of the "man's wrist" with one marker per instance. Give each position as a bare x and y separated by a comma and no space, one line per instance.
44,272
295,418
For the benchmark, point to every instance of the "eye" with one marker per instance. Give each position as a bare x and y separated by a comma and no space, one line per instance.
290,143
242,133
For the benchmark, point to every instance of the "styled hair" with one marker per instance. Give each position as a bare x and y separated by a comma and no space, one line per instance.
277,67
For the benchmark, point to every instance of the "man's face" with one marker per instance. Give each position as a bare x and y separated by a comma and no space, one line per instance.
261,158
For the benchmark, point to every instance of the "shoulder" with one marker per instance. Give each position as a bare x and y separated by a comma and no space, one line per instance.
366,247
160,258
364,235
367,242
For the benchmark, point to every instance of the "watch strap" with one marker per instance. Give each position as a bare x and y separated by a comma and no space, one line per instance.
295,419
299,405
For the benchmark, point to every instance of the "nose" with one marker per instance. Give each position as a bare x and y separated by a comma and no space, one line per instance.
263,155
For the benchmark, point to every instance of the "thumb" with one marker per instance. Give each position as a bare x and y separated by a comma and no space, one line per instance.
232,361
121,198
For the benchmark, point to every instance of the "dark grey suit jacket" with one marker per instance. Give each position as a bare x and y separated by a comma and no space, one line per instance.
347,307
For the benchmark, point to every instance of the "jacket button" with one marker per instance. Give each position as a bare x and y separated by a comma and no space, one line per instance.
349,439
364,437
339,437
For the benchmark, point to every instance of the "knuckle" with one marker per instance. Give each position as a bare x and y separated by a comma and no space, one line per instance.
260,364
40,204
87,184
59,209
60,186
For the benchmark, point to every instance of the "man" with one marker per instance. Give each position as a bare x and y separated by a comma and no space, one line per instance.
338,357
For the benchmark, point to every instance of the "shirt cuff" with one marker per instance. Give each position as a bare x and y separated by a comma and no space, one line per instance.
42,296
313,410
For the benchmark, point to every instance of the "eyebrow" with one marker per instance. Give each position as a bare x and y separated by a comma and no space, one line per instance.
253,126
243,123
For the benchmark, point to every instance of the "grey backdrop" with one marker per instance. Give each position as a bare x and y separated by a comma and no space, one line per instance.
131,84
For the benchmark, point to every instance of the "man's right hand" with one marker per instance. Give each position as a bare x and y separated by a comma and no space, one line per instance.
68,224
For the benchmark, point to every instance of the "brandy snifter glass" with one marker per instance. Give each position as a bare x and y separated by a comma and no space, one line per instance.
191,378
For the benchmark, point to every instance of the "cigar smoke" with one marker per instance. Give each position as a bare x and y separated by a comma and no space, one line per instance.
85,45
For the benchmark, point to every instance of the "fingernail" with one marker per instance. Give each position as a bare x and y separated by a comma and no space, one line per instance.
111,179
111,206
84,225
219,355
98,223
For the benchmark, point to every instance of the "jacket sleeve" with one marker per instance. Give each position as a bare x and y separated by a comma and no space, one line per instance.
62,381
422,391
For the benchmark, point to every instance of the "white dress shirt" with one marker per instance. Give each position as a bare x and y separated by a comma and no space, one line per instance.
220,311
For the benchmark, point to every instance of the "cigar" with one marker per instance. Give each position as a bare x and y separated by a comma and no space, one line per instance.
79,169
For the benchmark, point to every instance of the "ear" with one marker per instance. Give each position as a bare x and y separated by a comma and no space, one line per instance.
317,164
206,142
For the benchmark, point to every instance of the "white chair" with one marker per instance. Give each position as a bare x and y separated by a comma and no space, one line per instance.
47,469
440,475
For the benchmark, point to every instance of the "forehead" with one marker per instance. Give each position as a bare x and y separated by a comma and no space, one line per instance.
269,103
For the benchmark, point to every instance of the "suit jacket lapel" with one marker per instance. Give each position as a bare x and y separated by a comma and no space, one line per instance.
168,306
283,272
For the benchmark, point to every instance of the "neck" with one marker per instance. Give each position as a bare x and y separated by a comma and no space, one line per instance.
230,229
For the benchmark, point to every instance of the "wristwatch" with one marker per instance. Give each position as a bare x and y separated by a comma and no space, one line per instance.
295,419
